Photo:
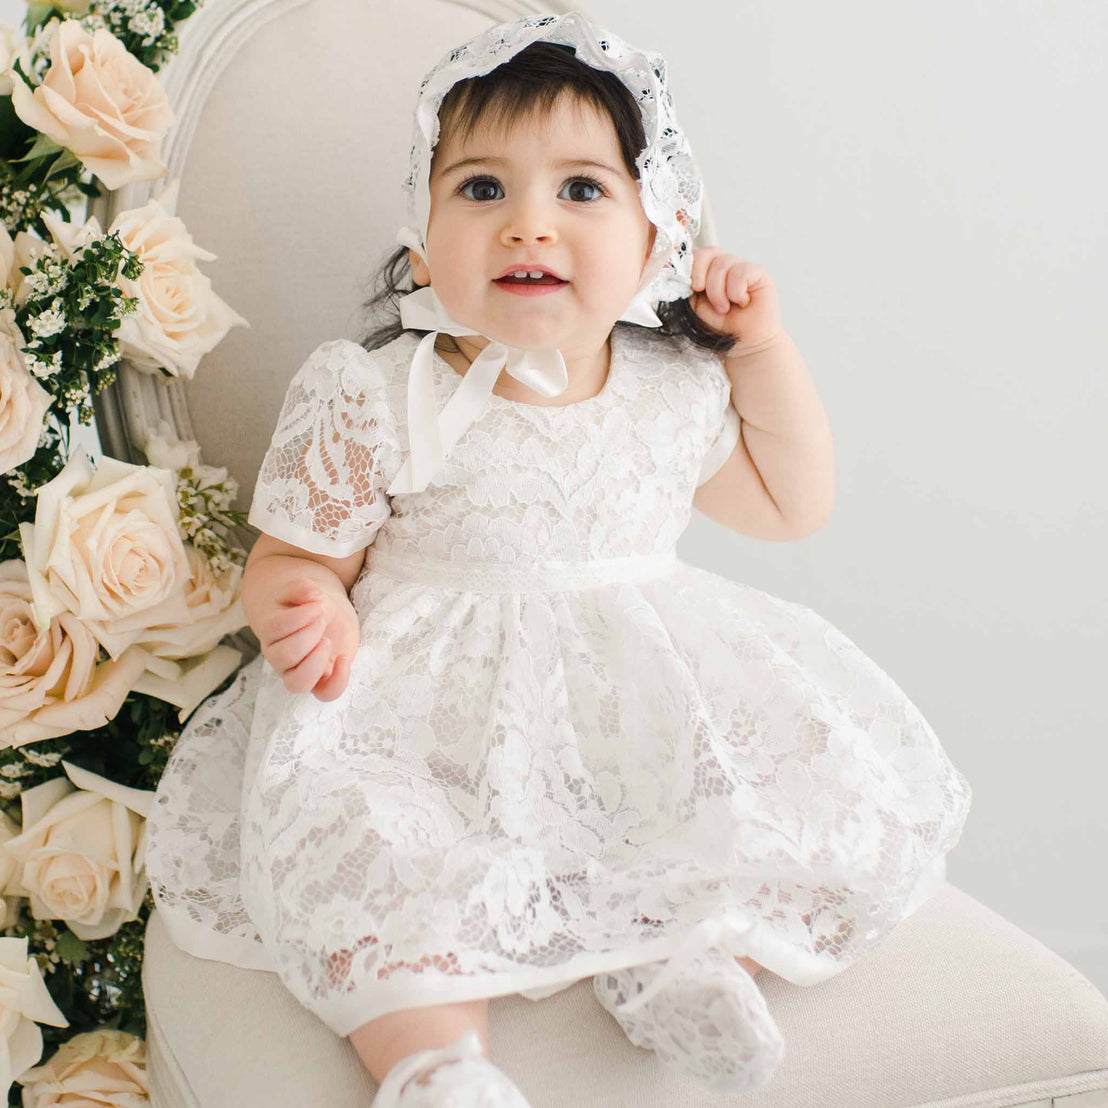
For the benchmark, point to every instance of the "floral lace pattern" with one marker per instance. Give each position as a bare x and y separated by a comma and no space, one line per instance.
561,746
322,475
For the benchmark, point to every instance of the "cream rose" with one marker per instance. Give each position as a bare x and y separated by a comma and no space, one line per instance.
82,852
179,316
163,449
186,683
213,598
25,1002
9,48
50,681
105,546
8,869
215,610
7,258
105,1068
23,401
100,102
8,830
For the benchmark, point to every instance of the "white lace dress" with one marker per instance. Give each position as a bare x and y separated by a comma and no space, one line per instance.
561,747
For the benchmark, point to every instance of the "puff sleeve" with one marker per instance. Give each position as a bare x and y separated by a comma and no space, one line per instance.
722,422
321,485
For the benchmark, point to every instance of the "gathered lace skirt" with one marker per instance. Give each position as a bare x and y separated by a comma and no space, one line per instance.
535,775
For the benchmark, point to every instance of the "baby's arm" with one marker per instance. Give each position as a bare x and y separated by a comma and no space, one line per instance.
297,603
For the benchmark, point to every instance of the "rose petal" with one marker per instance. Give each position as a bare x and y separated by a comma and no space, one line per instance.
111,682
137,800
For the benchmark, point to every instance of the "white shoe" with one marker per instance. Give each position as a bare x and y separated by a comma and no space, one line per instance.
461,1077
711,1021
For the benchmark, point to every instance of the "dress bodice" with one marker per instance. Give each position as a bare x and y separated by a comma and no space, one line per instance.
610,476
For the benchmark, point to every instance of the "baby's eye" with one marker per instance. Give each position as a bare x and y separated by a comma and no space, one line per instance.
480,182
589,183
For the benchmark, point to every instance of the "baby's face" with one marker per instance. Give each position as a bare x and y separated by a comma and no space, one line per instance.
553,192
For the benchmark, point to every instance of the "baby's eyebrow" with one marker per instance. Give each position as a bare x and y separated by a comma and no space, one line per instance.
564,163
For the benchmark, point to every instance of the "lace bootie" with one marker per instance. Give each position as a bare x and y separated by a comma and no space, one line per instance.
461,1077
709,1020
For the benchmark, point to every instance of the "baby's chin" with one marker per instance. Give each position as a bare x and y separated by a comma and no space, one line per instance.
530,326
533,333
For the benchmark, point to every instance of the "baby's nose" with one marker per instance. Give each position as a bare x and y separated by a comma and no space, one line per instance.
526,229
517,238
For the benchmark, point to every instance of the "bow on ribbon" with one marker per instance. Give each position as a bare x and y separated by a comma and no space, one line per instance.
432,434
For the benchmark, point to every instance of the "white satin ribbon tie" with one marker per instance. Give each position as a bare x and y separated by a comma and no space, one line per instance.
432,434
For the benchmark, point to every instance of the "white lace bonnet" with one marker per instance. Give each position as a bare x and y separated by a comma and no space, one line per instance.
669,185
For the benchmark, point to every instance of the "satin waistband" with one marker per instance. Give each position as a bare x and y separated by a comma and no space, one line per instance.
540,576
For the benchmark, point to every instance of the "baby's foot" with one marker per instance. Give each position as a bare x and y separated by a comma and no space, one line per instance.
711,1022
455,1076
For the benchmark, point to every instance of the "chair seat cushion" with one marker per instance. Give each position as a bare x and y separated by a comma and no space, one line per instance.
958,1008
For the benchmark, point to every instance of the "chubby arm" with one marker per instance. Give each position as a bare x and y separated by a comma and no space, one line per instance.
297,603
778,482
346,570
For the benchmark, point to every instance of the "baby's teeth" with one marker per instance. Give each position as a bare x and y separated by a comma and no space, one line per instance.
520,273
536,273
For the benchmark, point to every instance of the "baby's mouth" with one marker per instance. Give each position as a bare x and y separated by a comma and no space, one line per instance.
544,279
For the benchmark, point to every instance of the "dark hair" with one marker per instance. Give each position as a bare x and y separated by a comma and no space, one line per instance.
529,81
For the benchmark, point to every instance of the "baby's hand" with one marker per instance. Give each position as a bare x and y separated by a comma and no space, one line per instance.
736,297
309,636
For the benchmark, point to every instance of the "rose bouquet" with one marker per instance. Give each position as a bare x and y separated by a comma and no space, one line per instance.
117,581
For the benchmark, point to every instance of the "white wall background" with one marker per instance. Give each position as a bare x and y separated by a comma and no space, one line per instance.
926,183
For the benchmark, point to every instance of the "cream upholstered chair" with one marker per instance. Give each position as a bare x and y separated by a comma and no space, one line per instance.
292,139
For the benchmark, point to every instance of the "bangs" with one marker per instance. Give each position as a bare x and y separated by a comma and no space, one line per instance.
529,85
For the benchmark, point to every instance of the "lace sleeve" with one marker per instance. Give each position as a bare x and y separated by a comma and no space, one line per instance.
723,421
322,482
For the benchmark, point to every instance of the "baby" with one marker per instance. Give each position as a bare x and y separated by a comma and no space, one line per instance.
528,712
550,191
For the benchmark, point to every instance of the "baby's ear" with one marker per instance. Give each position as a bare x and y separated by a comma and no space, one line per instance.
421,275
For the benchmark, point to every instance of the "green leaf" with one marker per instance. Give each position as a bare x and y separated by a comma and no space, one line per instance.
43,147
69,947
37,14
65,160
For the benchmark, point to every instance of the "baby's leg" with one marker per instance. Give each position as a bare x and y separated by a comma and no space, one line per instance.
383,1042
